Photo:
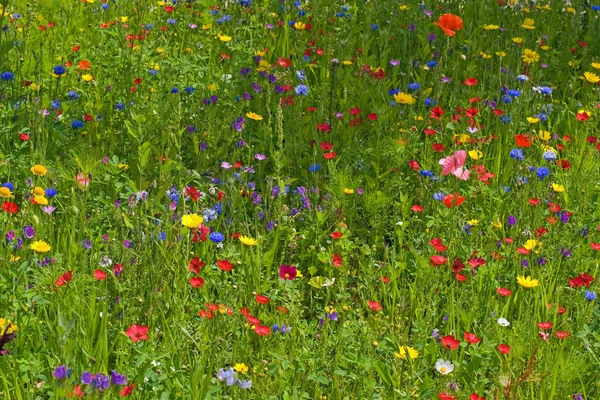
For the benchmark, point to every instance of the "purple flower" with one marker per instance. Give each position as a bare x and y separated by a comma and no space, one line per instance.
29,232
511,220
101,382
126,243
118,379
86,378
61,372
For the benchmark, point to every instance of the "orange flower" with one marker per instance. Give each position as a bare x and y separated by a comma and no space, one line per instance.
453,200
450,23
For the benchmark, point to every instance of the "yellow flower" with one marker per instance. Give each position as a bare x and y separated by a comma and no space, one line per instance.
530,56
207,26
485,56
38,191
596,65
475,154
545,48
224,38
404,98
123,166
500,53
558,188
571,10
87,77
544,135
532,243
517,40
192,221
5,192
347,62
212,87
348,191
412,353
41,200
527,282
298,273
254,116
591,77
490,27
14,258
39,246
248,241
241,368
39,170
299,25
403,7
464,138
4,324
124,20
473,222
528,24
533,120
497,225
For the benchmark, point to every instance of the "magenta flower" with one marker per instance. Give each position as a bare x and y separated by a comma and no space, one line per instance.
287,272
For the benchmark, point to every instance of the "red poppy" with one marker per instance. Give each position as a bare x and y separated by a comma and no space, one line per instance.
99,275
472,112
429,132
470,81
522,250
355,111
195,265
284,62
372,117
137,332
504,292
498,112
453,200
10,207
375,306
192,193
476,262
522,141
595,246
475,396
64,279
438,147
261,299
545,325
324,127
281,309
224,265
244,311
127,390
561,309
76,392
460,277
438,260
562,334
417,208
252,319
437,244
336,260
336,235
504,348
262,330
330,156
197,282
471,338
23,136
450,342
449,23
326,146
444,396
534,202
436,113
206,314
582,116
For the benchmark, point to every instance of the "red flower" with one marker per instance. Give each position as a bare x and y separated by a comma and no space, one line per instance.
375,306
324,127
336,235
99,275
436,113
282,310
262,330
438,147
534,202
562,334
330,156
444,396
261,299
23,136
471,338
429,132
470,81
503,292
137,332
76,392
475,396
595,246
206,314
472,112
197,282
564,164
460,277
192,192
449,23
127,390
438,260
10,207
457,265
450,342
545,325
284,62
336,260
64,279
355,111
372,117
417,208
522,141
522,250
498,112
437,244
252,319
580,280
224,265
582,116
326,146
504,348
414,165
195,265
453,200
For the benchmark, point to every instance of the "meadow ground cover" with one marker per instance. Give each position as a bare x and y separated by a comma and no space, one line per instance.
264,199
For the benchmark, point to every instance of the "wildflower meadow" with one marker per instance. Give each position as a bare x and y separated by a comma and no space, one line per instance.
311,199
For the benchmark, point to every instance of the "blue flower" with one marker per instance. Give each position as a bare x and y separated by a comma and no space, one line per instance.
104,6
374,27
77,124
301,90
7,76
50,192
549,155
431,64
414,86
73,95
314,168
542,172
590,296
171,21
59,70
514,92
61,372
216,237
9,185
430,102
439,196
517,154
301,75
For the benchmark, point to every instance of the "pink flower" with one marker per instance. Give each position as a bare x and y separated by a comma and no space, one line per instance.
454,165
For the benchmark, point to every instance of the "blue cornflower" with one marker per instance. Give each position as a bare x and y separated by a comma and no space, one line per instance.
153,72
171,21
431,64
314,168
414,86
590,296
430,102
517,154
505,119
513,92
50,192
9,185
522,78
73,95
439,196
549,155
216,237
59,70
7,76
542,172
120,106
104,6
426,172
374,27
77,124
301,90
301,75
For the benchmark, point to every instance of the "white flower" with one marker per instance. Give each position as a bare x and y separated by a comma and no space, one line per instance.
503,322
444,367
328,282
155,363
